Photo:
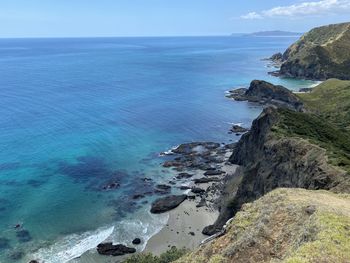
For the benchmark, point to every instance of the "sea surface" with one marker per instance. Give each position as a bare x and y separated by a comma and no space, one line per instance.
79,114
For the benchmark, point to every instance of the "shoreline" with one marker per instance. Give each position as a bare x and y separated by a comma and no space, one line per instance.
186,222
183,229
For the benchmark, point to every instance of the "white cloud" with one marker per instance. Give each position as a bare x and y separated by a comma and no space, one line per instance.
252,15
303,9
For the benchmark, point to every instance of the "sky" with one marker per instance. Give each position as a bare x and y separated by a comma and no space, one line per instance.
98,18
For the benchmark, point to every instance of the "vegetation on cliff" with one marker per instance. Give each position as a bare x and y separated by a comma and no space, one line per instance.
331,101
169,256
322,53
286,225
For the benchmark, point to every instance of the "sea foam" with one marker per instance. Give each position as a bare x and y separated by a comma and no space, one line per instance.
72,246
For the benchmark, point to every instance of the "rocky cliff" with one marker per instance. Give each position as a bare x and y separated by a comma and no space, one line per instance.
322,53
274,155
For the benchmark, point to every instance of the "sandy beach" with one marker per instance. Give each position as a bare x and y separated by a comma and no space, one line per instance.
184,228
186,222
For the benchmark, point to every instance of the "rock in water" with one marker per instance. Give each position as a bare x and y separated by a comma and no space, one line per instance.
136,241
167,203
109,249
277,58
238,129
205,180
184,176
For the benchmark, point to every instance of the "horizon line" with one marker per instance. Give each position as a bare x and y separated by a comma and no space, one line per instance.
138,36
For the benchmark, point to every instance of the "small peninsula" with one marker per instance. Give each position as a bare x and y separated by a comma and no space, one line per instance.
274,33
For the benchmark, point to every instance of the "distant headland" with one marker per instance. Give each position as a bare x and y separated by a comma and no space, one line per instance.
274,33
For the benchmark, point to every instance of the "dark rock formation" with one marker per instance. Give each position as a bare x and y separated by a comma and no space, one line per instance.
205,180
184,187
109,249
197,190
265,93
111,186
277,58
167,203
213,172
238,129
188,148
184,176
138,196
162,189
136,241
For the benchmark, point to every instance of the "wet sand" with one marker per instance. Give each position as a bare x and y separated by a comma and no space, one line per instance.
183,228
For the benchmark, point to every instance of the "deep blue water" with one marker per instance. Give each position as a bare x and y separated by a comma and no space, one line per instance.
78,113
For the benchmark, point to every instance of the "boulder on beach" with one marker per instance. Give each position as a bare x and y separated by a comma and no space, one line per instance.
109,249
167,203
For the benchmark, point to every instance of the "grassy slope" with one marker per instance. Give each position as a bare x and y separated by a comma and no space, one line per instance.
324,47
330,100
327,122
286,225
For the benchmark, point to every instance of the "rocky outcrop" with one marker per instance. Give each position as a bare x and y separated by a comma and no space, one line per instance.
108,249
270,160
167,203
265,93
276,60
136,241
322,53
238,129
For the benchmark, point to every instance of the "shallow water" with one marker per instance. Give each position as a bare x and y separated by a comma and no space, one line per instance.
79,113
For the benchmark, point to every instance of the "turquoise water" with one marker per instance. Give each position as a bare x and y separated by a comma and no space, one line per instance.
77,114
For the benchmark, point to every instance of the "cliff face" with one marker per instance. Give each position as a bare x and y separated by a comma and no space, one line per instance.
321,53
286,225
270,159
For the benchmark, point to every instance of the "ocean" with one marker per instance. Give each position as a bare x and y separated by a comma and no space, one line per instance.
80,114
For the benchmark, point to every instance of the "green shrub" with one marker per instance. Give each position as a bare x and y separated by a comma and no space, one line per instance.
169,256
318,131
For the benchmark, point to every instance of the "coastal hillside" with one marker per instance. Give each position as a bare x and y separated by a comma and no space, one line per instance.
289,148
286,225
322,53
291,196
334,96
